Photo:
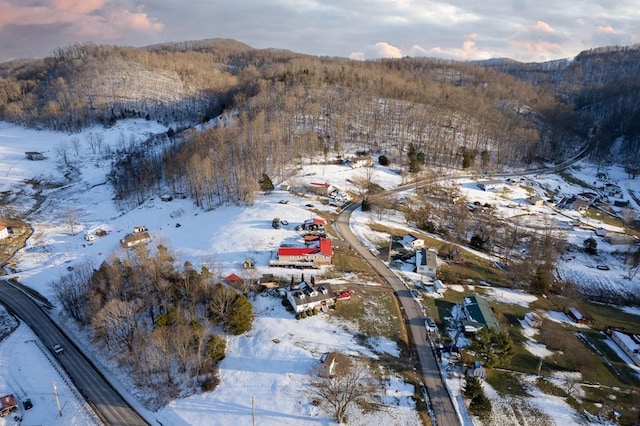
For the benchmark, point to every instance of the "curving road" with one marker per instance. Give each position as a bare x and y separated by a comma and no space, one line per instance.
108,404
440,401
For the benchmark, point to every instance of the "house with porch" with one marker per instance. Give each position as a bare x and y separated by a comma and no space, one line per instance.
305,296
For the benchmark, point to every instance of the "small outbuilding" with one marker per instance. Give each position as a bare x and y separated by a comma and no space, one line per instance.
9,403
34,156
4,232
580,316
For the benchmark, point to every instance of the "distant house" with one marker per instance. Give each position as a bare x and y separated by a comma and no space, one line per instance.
268,281
412,242
356,162
138,229
4,232
491,185
477,315
305,257
535,200
9,403
620,239
248,264
581,317
131,240
601,232
325,189
427,262
305,296
629,343
314,224
574,203
34,156
236,282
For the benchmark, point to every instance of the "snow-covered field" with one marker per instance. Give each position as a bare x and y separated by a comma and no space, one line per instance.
257,372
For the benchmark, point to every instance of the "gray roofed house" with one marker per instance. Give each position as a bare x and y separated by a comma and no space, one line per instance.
305,296
427,262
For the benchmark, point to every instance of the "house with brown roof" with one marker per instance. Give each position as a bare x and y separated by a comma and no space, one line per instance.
9,403
132,240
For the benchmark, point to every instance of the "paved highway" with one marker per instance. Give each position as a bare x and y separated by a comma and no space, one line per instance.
107,403
439,398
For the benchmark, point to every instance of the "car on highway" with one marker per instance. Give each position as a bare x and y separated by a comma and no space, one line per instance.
57,348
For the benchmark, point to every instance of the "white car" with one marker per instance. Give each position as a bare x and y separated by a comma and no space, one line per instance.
89,237
57,348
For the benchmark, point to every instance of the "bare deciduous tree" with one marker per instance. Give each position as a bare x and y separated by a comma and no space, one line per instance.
349,382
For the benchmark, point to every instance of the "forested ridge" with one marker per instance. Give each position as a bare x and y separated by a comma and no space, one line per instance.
603,85
277,107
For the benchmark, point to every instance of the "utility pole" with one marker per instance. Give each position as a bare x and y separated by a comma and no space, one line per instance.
55,392
253,410
390,244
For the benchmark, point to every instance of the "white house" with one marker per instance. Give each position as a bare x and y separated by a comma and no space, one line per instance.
427,262
304,297
412,242
4,232
491,185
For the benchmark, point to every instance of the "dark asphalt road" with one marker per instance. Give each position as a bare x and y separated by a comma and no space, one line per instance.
108,404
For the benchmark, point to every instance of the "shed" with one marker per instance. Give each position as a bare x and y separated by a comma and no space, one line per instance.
535,200
581,317
4,232
9,403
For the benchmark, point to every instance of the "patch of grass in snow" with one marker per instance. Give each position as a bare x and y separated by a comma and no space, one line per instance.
549,388
623,374
349,261
506,383
375,311
601,399
21,231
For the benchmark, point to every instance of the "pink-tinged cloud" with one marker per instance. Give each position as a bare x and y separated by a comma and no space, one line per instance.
102,19
539,49
544,27
606,30
468,51
78,6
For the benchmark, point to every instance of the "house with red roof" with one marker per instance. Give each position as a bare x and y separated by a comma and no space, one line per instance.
321,188
305,257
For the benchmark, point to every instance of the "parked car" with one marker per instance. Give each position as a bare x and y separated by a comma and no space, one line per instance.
603,267
27,404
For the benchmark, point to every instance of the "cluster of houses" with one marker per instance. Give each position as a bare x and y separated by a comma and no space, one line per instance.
426,258
316,252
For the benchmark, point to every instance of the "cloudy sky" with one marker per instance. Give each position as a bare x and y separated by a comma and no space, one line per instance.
525,30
